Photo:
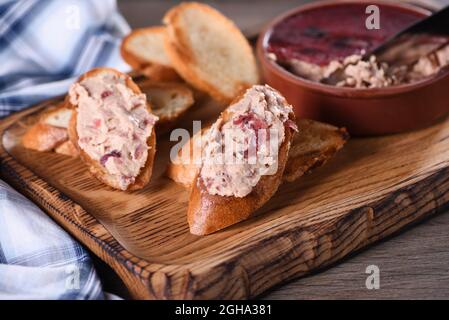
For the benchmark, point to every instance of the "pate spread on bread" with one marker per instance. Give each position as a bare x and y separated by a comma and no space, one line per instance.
113,125
169,101
247,143
312,147
231,191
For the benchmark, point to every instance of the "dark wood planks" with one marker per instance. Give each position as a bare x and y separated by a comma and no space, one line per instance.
412,265
418,253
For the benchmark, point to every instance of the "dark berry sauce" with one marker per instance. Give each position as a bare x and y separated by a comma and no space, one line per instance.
321,35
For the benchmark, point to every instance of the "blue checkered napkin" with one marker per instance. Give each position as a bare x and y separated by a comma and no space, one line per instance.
46,44
39,260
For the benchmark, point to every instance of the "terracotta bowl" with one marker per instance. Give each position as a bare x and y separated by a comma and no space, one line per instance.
361,111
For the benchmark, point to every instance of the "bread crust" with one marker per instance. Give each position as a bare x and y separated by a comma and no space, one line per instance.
185,173
151,69
314,145
94,167
182,55
209,213
44,137
55,115
305,153
159,72
67,148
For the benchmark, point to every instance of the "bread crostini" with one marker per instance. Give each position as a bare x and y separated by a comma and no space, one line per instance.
113,128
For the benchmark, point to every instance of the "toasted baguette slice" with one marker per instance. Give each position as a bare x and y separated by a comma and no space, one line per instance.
143,49
44,137
67,148
210,212
58,116
94,166
209,51
311,148
48,132
184,168
169,101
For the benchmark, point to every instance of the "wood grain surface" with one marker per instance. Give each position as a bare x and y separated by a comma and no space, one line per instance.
374,187
414,264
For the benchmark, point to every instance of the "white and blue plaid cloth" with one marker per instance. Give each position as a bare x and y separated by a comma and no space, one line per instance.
39,260
44,46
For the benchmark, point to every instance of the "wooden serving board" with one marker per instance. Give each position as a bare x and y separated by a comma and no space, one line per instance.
371,189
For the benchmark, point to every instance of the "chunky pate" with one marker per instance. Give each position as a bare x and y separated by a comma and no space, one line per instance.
243,145
353,72
113,125
324,44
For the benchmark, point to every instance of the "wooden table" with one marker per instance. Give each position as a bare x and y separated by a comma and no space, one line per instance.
413,264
